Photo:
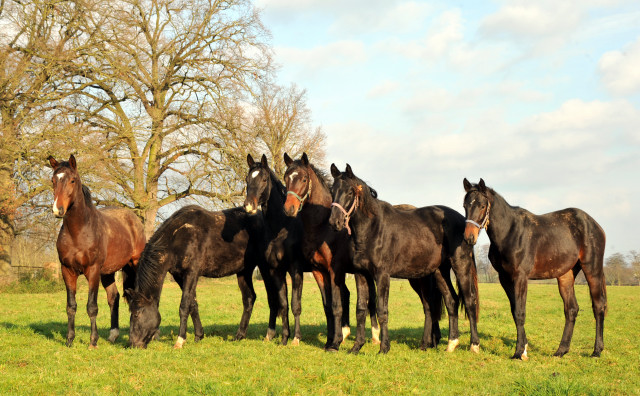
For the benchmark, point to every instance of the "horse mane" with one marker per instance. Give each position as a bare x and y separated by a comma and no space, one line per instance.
321,175
368,198
275,181
87,195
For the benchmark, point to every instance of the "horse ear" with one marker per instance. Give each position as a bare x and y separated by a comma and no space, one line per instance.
335,172
287,160
52,161
263,160
250,160
348,171
305,159
72,162
466,184
482,186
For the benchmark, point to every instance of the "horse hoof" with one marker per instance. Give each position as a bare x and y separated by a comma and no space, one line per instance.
295,342
453,344
346,331
179,343
93,347
475,348
375,335
113,335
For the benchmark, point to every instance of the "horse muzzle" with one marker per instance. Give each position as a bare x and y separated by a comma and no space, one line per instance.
471,233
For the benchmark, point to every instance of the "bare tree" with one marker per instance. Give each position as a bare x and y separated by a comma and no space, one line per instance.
282,123
33,44
156,90
634,263
615,266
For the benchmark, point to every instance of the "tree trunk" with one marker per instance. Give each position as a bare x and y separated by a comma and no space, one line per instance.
150,221
6,240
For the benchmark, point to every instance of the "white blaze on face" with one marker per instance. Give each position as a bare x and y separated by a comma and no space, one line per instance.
55,201
292,176
255,174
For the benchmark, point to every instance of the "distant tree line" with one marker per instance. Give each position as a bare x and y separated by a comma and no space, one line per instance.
620,269
159,100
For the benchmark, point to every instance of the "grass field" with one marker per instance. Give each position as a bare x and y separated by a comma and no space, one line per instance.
34,360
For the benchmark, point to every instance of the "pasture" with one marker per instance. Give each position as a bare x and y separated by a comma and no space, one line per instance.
34,359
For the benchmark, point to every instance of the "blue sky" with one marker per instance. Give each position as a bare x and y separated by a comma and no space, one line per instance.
539,98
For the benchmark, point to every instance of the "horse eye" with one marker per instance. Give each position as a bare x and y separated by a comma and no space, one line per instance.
73,181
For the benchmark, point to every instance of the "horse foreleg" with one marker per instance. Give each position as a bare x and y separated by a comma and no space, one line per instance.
345,296
92,273
272,299
113,298
598,291
188,297
335,286
362,291
248,299
465,269
70,281
325,292
297,281
382,281
517,292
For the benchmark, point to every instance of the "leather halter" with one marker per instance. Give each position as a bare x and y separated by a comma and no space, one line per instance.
347,215
301,199
485,221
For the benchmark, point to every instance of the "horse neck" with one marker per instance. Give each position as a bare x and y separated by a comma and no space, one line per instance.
501,219
79,215
361,222
274,213
317,209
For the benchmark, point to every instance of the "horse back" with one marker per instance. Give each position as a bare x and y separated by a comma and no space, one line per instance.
561,239
124,238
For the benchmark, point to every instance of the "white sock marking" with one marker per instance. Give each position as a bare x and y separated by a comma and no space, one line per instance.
179,343
346,330
375,335
453,344
475,348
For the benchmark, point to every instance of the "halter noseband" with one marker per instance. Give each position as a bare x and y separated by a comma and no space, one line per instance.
347,215
301,199
485,221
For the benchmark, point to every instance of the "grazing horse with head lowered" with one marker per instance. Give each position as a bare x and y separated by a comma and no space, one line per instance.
526,246
282,242
93,242
309,198
407,243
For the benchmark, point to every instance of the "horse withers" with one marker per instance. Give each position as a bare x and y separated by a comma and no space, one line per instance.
93,242
527,246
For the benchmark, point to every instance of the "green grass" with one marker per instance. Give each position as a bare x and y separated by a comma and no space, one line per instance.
34,360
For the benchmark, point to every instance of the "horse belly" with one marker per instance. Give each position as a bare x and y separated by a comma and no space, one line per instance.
552,266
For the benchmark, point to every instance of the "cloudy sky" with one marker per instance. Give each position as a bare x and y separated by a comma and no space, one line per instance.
539,98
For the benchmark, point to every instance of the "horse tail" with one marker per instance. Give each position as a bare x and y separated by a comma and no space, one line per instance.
473,273
435,299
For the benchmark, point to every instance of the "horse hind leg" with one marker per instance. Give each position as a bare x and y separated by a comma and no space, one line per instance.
113,298
567,292
597,288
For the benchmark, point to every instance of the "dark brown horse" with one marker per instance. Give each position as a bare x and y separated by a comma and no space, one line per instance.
410,244
309,196
526,246
93,242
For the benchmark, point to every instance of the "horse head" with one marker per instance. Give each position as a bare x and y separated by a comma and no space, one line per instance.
145,319
477,207
66,185
258,184
297,179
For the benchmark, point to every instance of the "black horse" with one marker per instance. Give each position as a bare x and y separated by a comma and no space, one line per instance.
407,243
282,245
195,242
328,251
526,246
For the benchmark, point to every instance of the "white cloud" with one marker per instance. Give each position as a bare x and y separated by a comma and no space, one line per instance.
382,89
620,70
332,55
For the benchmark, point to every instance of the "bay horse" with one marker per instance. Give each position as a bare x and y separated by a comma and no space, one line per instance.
282,245
407,243
309,198
93,242
191,243
527,246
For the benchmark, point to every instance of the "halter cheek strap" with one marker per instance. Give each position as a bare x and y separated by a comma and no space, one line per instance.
347,215
301,199
485,221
